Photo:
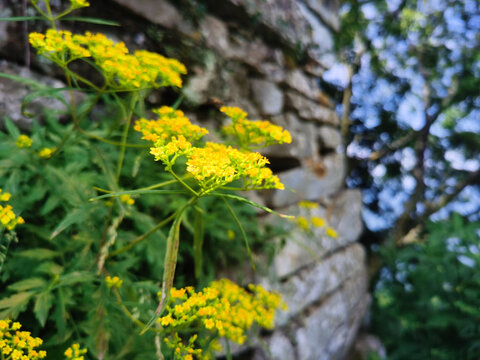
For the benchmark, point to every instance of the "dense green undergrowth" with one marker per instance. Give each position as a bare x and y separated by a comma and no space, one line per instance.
427,299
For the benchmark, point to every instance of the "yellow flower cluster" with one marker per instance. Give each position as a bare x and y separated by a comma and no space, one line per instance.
317,221
8,219
74,352
23,141
247,132
18,345
223,307
113,281
171,122
216,165
172,134
76,4
184,351
308,204
121,70
46,153
127,199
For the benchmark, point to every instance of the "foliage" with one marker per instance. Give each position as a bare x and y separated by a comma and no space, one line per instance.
93,248
427,298
411,108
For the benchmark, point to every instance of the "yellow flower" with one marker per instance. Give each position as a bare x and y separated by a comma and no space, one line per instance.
8,219
216,165
302,222
248,132
127,199
223,307
174,293
76,4
46,153
121,70
23,141
317,221
74,352
308,204
331,232
113,281
230,234
18,345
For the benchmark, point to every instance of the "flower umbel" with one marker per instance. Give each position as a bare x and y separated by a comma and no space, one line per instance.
216,165
223,307
260,133
18,345
114,281
74,352
8,219
121,70
23,141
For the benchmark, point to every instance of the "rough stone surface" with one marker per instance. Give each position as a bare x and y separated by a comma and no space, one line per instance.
159,12
327,11
297,80
307,247
12,93
311,110
282,17
313,283
345,215
310,183
268,97
329,138
281,347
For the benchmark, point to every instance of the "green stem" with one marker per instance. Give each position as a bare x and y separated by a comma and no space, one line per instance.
40,11
142,237
125,134
229,354
170,261
182,182
49,14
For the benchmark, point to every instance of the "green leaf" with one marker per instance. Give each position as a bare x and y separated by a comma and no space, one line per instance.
45,93
75,217
169,267
11,128
49,268
198,237
245,200
75,278
38,253
242,231
21,18
23,80
136,192
43,303
91,20
27,284
16,300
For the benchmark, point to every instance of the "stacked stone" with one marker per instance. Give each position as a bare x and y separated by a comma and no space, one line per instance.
249,48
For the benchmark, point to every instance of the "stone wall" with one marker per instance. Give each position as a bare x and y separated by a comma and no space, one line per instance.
266,56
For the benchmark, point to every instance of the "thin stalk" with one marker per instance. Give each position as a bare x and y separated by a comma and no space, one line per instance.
40,11
142,237
183,182
125,310
229,354
170,261
125,134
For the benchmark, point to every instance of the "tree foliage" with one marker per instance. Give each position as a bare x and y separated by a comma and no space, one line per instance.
411,118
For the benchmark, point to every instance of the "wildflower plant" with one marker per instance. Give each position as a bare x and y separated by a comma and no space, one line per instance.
104,196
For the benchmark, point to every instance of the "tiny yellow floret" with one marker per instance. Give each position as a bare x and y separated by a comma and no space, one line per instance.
23,141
